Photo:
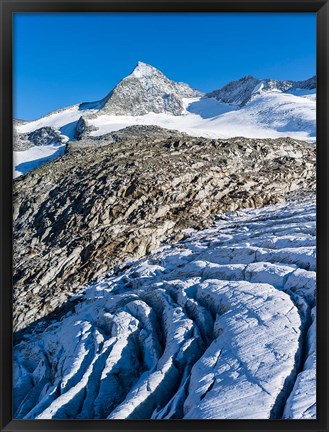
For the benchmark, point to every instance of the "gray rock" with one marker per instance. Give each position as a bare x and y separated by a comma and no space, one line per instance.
146,90
40,137
45,136
82,128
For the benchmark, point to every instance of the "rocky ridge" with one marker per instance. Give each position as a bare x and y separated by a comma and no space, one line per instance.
242,91
120,195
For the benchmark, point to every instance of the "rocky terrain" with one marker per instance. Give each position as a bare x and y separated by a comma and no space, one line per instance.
220,325
118,196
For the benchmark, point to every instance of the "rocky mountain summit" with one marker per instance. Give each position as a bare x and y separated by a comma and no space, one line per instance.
118,196
146,90
242,91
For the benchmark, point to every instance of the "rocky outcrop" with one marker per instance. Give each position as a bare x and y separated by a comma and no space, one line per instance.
45,136
120,195
20,141
82,129
40,137
308,84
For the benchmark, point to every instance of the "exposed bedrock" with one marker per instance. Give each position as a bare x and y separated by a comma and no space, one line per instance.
118,196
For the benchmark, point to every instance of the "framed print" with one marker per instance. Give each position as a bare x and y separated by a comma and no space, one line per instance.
164,218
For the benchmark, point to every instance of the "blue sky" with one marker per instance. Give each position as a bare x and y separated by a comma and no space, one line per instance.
61,59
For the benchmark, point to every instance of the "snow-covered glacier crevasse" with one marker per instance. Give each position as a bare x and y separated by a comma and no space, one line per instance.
212,327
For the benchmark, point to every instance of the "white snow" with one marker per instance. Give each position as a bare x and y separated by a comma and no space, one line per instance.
301,403
210,327
271,115
34,157
56,119
64,119
306,93
258,88
142,70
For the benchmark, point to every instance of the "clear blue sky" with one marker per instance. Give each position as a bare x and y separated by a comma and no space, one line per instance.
65,58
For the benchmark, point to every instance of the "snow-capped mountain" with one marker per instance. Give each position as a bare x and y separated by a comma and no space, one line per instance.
249,107
147,90
247,88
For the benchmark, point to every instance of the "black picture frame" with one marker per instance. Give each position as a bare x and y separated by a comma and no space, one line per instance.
7,8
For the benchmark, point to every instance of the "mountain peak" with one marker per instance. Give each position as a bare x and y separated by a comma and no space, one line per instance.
247,78
143,69
147,90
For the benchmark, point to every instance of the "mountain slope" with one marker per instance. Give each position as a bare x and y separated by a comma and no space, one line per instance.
118,196
271,115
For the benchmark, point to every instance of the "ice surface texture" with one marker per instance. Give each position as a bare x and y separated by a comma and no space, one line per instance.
214,326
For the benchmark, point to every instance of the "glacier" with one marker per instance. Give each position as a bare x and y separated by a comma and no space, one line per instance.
220,325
